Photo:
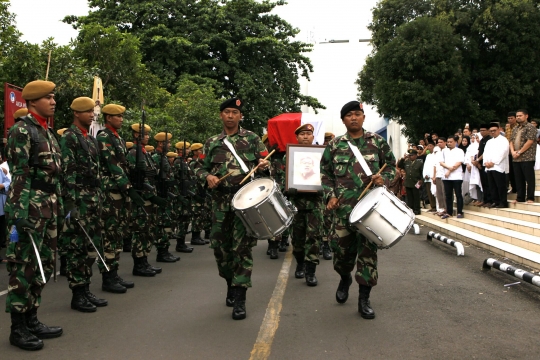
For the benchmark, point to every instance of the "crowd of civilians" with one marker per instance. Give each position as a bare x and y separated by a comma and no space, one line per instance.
477,166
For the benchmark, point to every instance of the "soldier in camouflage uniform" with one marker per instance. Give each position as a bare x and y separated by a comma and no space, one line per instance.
144,225
83,198
186,182
328,216
118,196
232,246
202,203
165,184
342,175
274,242
33,205
306,226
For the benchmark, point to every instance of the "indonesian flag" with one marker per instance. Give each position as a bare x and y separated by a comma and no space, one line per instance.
97,96
281,129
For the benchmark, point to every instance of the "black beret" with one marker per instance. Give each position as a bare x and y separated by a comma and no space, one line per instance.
233,103
350,106
412,152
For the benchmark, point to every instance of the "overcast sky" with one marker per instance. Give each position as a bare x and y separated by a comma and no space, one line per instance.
318,19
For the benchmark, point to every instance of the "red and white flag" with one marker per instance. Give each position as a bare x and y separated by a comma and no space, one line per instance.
281,129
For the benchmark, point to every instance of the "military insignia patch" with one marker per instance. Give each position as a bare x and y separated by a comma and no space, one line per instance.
238,103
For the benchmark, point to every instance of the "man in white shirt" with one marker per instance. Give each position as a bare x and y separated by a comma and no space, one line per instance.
453,177
428,174
497,166
438,172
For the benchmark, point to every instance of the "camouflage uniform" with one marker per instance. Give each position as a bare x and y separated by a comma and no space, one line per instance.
185,177
232,246
202,205
115,184
278,173
341,173
81,174
35,196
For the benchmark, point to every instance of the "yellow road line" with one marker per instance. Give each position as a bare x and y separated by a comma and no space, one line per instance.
269,326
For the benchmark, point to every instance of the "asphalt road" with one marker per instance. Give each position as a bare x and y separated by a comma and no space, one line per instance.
429,304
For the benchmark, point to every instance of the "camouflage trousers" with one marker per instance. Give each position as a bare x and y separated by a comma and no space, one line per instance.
349,247
144,230
115,214
328,217
202,219
25,282
232,247
80,254
306,235
164,227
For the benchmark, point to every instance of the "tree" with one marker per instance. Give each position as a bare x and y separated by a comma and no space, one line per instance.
236,43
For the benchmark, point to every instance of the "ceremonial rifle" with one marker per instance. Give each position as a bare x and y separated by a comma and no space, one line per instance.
138,174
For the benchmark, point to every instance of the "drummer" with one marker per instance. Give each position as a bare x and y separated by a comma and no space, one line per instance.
344,178
235,150
307,223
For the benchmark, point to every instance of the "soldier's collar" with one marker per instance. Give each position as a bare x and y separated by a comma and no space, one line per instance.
82,131
241,132
366,135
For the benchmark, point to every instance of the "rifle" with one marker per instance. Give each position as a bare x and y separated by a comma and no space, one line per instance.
186,184
138,174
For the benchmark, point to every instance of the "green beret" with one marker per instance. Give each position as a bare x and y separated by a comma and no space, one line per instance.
83,104
233,103
305,127
350,106
20,113
113,109
37,89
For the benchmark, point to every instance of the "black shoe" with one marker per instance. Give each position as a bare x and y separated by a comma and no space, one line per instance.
229,301
163,255
39,329
300,271
282,247
239,310
342,293
274,250
20,336
364,307
326,252
140,269
93,298
182,247
156,269
269,247
311,279
63,265
127,245
196,238
79,301
125,283
111,284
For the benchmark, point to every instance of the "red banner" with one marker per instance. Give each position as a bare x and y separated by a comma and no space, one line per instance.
13,101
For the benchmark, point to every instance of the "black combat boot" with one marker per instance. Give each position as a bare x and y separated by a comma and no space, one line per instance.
156,269
127,245
163,255
93,298
207,236
111,284
342,293
125,283
326,252
311,279
239,310
39,329
79,301
196,238
300,271
181,245
364,307
140,269
283,245
63,265
20,336
229,301
269,246
274,250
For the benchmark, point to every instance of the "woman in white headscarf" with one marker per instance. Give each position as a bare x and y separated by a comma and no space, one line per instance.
472,172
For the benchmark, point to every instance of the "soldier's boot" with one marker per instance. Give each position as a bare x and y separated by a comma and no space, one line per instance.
229,300
283,245
364,307
196,238
93,298
79,301
63,265
111,284
20,336
207,236
39,329
127,245
342,293
125,283
327,254
274,250
163,255
181,245
239,309
311,279
300,271
156,269
140,269
269,246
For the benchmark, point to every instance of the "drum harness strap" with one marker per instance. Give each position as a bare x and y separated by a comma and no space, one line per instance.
360,159
240,161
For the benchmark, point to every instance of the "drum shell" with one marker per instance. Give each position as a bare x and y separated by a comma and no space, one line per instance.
388,220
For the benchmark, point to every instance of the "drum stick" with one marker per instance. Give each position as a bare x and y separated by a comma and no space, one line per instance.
224,177
256,167
371,183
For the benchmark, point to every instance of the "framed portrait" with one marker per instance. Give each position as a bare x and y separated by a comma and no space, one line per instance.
302,170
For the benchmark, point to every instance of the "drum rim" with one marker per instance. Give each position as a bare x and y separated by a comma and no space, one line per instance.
375,204
260,202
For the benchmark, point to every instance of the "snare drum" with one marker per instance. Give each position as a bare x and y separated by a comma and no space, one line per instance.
263,209
382,218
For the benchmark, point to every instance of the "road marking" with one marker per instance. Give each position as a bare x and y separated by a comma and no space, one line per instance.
2,293
263,344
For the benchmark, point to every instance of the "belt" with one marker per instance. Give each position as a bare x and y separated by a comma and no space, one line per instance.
90,182
43,186
229,189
